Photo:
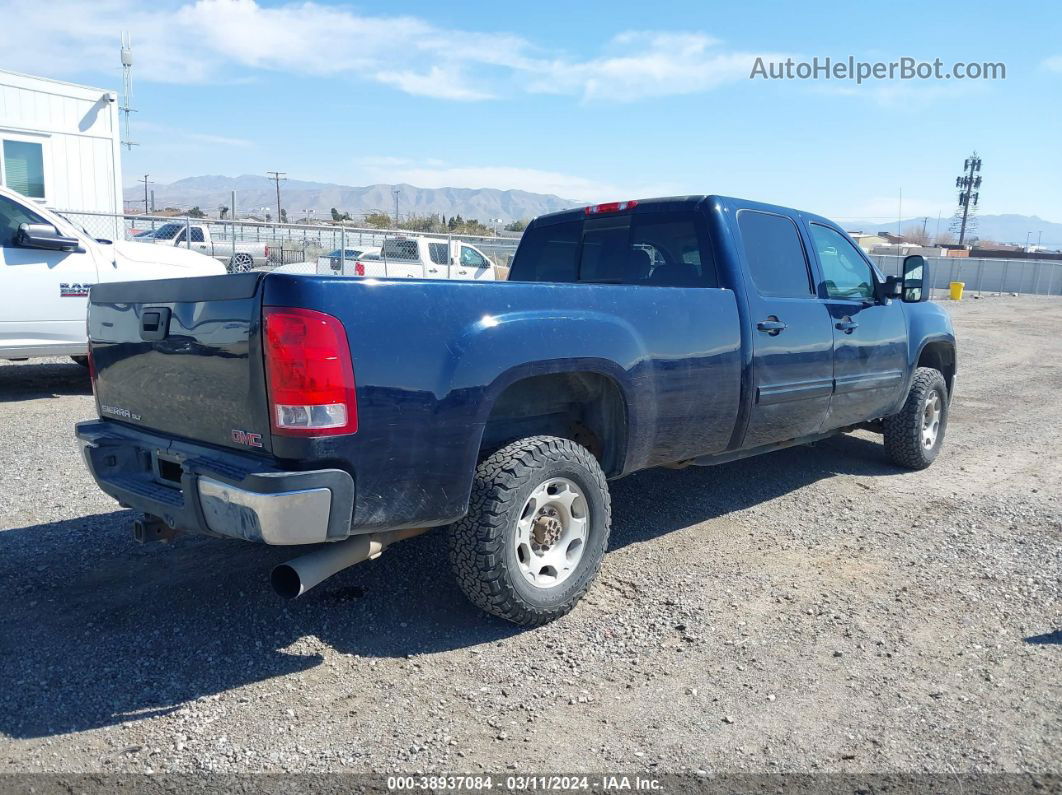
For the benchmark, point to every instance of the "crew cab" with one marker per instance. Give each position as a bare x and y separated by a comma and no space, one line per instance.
48,264
238,255
350,413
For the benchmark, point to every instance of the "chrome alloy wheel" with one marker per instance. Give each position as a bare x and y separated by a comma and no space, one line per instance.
551,532
931,420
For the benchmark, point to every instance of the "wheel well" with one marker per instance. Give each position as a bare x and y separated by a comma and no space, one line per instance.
940,356
587,408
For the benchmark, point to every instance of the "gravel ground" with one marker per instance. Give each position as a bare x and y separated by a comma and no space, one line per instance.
811,610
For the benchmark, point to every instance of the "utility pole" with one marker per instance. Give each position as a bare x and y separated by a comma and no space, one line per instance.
145,181
395,191
969,182
276,177
1039,237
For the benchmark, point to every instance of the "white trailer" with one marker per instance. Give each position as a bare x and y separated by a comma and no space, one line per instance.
60,144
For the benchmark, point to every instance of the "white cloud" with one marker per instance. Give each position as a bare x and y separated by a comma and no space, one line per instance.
432,174
437,82
647,63
171,134
1053,64
199,41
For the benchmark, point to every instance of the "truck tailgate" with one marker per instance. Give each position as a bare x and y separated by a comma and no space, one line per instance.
183,357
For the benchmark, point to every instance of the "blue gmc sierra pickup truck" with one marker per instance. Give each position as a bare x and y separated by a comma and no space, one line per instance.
350,413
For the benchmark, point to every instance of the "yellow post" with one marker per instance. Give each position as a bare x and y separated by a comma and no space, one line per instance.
956,290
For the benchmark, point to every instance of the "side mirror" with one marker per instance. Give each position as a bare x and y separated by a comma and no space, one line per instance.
893,287
915,277
44,236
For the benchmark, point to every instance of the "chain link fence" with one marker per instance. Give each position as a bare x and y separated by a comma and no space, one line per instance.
338,249
309,248
983,275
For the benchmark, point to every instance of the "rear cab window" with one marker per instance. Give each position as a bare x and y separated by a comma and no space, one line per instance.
654,249
400,249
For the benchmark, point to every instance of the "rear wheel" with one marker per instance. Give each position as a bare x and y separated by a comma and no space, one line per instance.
913,437
536,532
241,262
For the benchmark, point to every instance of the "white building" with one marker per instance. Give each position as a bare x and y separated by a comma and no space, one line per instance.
59,143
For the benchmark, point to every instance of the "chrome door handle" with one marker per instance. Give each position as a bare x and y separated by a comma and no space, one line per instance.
772,326
846,324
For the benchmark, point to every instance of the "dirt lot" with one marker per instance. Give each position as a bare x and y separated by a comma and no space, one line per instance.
812,610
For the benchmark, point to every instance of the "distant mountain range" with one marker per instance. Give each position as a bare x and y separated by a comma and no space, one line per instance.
255,192
1006,228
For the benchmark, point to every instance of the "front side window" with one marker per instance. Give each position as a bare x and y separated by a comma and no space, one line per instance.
846,273
12,215
24,168
774,254
471,258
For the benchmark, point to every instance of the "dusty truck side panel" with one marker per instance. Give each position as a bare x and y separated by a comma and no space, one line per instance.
422,413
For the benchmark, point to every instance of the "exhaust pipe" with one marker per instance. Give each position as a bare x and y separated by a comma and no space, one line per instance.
294,578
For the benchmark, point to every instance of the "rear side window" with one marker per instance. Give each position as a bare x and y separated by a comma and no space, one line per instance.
197,235
437,252
665,249
400,249
774,254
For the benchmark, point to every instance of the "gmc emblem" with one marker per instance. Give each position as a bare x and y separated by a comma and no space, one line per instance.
248,439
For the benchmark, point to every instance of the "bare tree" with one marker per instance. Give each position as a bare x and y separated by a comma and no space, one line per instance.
916,234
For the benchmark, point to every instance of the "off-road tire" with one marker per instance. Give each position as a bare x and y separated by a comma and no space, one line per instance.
482,543
903,431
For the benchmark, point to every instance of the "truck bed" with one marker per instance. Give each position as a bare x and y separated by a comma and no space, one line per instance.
430,360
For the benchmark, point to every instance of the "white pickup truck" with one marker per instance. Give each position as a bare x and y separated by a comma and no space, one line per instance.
421,257
239,256
47,266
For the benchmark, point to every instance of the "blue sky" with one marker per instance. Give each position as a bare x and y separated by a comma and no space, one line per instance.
590,101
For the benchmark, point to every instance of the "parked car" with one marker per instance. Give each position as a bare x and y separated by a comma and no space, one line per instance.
48,264
289,409
422,257
333,261
239,255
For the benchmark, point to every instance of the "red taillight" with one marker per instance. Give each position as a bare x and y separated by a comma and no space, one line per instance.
610,207
92,369
359,268
266,252
309,373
